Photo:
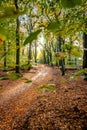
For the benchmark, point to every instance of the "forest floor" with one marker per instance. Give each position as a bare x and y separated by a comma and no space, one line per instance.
24,106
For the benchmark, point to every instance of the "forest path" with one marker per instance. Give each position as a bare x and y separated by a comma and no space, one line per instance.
16,98
23,107
20,86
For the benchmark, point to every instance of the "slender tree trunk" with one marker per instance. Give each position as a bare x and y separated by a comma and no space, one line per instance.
85,53
5,59
9,44
59,49
48,61
50,53
29,57
17,41
61,62
35,52
23,52
50,56
44,56
29,29
17,47
63,67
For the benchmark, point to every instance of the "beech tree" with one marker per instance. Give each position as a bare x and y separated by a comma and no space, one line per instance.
17,39
61,18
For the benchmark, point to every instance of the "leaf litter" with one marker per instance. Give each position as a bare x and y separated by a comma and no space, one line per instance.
62,109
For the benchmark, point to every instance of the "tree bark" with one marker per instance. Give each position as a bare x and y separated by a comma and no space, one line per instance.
61,62
85,50
17,68
17,47
5,59
44,57
29,56
35,52
85,54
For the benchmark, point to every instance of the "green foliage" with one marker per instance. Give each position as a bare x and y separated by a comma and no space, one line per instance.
3,1
71,66
67,3
81,72
78,2
53,25
23,78
60,22
72,49
26,67
32,37
3,34
70,3
76,52
28,81
67,46
13,76
60,55
46,86
2,31
2,37
10,12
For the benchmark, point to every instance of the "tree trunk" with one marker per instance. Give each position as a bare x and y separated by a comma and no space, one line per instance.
48,60
85,53
17,47
61,62
85,50
5,59
50,55
44,57
9,44
17,42
35,52
63,67
29,57
29,29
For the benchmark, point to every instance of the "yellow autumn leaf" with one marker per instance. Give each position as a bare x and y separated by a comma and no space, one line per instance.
2,37
76,53
1,52
60,54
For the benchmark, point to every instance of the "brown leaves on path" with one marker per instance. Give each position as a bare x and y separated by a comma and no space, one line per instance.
30,109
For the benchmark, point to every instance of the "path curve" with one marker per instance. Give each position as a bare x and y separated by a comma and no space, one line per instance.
21,87
16,99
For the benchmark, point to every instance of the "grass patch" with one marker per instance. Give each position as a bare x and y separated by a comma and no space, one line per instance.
23,78
12,76
26,67
28,81
1,86
46,86
82,72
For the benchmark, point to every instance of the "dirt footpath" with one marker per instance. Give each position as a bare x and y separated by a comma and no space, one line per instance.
16,98
23,107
